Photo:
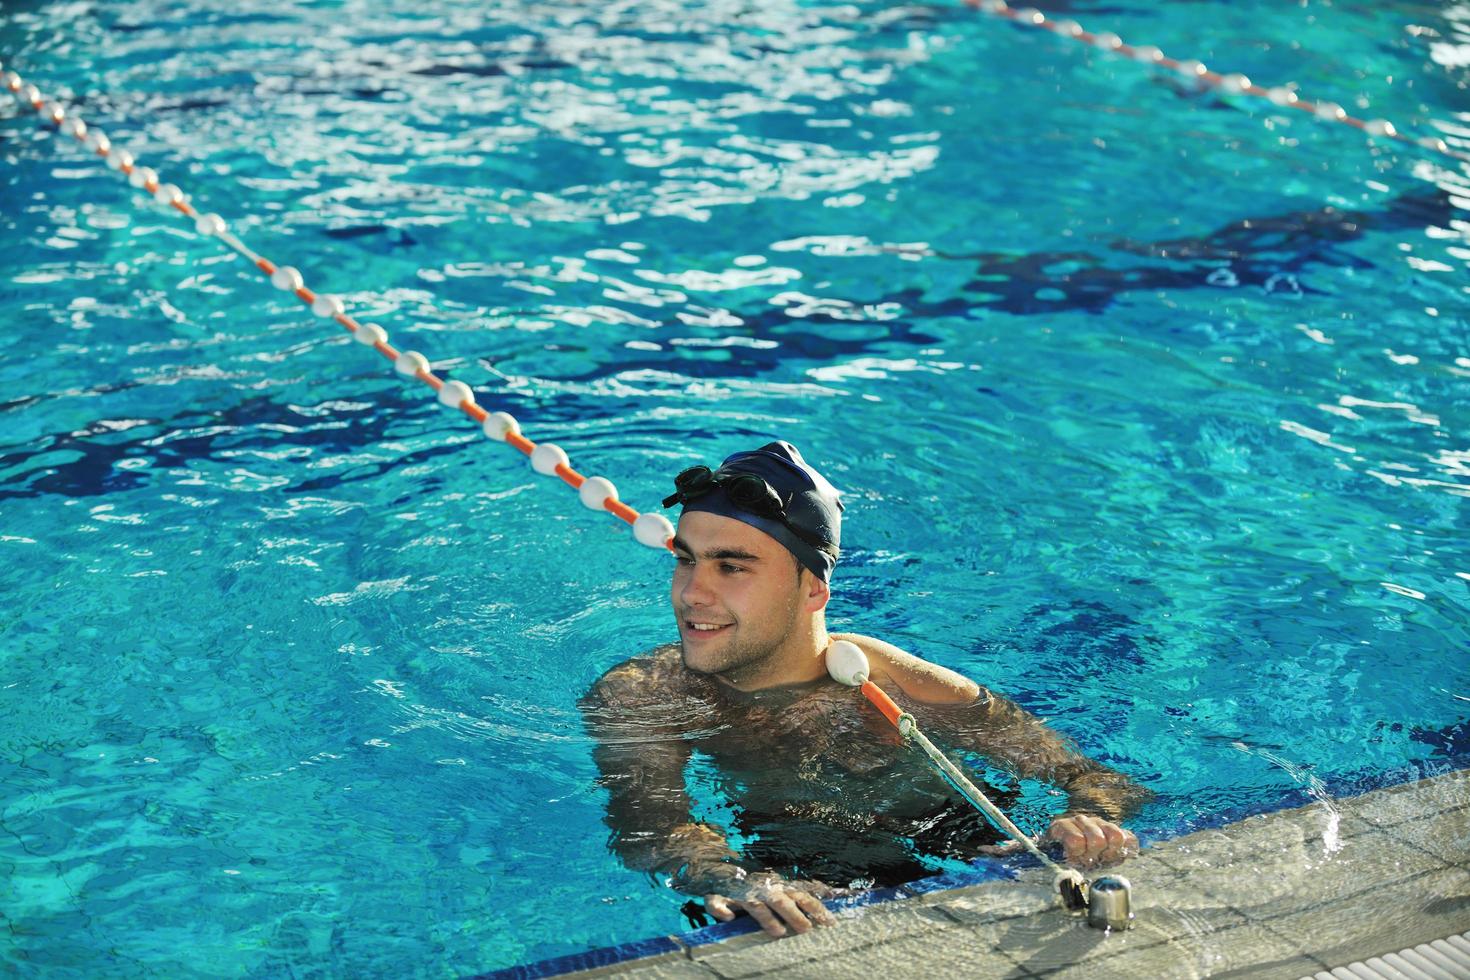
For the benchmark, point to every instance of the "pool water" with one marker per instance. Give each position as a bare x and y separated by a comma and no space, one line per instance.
1151,409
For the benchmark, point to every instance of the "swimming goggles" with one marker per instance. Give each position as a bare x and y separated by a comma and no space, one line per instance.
746,490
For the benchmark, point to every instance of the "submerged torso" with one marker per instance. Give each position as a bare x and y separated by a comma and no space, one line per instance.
821,784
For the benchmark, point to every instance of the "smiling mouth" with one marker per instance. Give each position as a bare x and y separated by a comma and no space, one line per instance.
704,629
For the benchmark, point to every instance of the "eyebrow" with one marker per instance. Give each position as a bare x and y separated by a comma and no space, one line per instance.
716,554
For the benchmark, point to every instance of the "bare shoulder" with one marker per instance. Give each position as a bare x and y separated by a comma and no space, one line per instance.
645,680
914,676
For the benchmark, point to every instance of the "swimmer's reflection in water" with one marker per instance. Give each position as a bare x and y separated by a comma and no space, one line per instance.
825,795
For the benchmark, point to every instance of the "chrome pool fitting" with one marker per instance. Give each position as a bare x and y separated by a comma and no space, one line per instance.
1110,903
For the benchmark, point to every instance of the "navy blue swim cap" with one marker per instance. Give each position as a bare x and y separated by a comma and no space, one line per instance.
812,505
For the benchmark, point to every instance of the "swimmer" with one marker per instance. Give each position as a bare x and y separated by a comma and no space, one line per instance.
818,796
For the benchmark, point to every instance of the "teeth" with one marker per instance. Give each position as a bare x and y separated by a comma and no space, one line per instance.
705,627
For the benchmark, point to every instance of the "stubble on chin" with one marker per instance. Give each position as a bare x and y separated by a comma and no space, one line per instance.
712,665
726,663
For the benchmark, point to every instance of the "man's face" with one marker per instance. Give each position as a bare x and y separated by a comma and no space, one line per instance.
736,594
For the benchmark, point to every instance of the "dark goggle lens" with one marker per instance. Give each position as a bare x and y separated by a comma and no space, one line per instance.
751,493
694,482
694,478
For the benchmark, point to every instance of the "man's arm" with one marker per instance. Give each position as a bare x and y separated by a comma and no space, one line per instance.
641,754
1018,741
1098,798
641,759
976,719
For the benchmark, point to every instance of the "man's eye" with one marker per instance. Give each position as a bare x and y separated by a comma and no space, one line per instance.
683,560
729,569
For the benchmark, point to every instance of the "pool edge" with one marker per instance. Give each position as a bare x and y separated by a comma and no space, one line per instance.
690,946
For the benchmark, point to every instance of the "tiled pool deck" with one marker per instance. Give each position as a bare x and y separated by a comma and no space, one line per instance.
1287,894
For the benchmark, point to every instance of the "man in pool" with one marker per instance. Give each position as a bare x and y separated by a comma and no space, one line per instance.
819,794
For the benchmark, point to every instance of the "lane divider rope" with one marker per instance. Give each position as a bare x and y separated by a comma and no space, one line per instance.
1195,71
597,493
547,459
847,664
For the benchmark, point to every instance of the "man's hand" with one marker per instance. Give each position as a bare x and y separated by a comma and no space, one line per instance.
1088,841
780,906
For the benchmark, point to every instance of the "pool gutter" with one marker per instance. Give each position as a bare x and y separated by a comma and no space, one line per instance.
1286,894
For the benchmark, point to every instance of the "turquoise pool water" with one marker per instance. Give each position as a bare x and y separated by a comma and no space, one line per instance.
1151,408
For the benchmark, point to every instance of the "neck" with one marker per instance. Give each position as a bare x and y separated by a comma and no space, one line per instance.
798,660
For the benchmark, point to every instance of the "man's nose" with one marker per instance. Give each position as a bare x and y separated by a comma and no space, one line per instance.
696,590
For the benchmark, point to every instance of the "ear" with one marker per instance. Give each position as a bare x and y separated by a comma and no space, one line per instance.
814,591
